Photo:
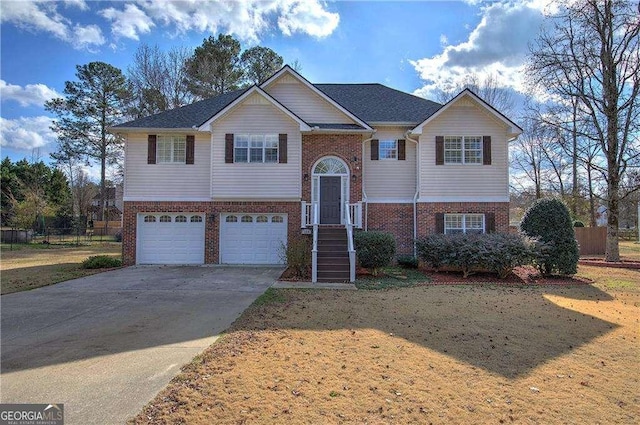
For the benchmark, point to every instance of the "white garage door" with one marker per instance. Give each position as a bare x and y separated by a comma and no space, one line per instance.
252,238
170,238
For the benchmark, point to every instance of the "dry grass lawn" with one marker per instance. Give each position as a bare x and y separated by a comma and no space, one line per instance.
28,266
429,354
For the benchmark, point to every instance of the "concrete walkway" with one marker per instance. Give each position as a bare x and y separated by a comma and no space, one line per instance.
105,345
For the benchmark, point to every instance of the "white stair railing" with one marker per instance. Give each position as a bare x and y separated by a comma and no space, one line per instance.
352,252
306,213
314,251
356,214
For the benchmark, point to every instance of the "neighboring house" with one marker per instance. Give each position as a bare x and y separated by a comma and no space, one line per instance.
227,179
114,204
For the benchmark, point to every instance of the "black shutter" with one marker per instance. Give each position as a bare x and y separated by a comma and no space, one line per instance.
151,149
489,223
228,148
402,150
191,149
374,150
282,148
439,150
486,150
439,222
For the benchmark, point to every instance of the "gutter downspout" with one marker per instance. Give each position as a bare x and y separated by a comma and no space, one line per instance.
364,193
415,197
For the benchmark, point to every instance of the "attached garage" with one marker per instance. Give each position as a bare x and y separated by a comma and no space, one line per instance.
170,238
252,238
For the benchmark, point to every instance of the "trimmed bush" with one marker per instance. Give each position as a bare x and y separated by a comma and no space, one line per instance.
297,255
408,261
374,249
497,252
101,262
578,223
548,221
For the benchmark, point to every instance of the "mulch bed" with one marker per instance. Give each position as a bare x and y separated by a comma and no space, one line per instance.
599,262
525,275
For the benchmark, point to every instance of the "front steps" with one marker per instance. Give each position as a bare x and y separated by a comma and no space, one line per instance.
333,255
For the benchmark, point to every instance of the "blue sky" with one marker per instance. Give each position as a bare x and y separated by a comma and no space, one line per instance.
415,46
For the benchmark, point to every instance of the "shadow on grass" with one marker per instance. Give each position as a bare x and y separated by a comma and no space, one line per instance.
507,331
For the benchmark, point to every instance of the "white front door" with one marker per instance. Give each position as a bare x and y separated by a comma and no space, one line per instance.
252,238
170,238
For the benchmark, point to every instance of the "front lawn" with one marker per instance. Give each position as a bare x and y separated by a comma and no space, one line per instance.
29,266
423,354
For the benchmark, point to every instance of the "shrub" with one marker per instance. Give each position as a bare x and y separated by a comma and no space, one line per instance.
408,261
548,221
498,252
297,255
578,223
118,237
101,262
375,249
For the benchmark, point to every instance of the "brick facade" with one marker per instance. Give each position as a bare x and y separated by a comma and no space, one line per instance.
427,211
347,147
212,221
396,219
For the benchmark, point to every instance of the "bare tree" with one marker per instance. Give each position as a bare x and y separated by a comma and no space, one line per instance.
590,53
527,155
488,89
157,79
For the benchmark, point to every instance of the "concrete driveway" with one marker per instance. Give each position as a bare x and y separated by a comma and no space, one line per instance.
104,345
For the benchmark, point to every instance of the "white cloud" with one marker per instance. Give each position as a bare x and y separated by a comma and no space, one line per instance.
80,4
26,133
497,46
246,19
31,94
43,16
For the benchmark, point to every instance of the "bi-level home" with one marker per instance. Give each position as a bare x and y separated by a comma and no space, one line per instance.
229,179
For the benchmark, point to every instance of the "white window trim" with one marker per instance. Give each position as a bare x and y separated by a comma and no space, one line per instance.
393,150
464,221
264,148
173,138
463,160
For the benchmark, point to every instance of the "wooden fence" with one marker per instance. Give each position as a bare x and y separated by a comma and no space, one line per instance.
592,240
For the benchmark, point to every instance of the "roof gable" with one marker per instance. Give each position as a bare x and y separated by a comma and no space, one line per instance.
288,71
254,91
513,128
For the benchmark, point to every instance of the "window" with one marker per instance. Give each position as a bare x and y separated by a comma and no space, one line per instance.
388,149
463,223
277,219
463,150
181,219
149,218
262,219
165,219
171,149
196,219
231,219
246,219
259,148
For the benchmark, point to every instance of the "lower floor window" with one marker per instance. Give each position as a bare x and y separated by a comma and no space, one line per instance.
463,223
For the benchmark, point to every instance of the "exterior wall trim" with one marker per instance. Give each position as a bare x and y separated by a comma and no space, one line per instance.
163,199
464,199
389,201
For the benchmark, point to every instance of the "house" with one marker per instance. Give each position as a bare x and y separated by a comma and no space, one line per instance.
113,204
228,179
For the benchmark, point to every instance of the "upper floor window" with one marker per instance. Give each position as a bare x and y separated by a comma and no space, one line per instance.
388,149
171,149
463,150
463,223
259,148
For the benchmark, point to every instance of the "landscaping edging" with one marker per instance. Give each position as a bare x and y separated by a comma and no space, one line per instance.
633,265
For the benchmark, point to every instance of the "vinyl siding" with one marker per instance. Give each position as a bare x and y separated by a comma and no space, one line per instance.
450,183
306,104
256,181
390,179
166,181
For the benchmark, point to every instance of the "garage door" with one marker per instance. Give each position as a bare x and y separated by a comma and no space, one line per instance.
252,238
170,238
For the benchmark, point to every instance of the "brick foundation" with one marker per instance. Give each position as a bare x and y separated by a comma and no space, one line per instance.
396,219
212,221
427,210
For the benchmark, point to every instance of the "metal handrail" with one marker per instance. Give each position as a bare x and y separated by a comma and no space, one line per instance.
314,251
352,251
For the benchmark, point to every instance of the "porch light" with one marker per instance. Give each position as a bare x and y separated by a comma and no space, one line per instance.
306,177
354,177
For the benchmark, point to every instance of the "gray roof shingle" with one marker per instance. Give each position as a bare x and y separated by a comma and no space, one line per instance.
369,102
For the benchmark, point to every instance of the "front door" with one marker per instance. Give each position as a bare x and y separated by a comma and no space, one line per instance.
330,188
